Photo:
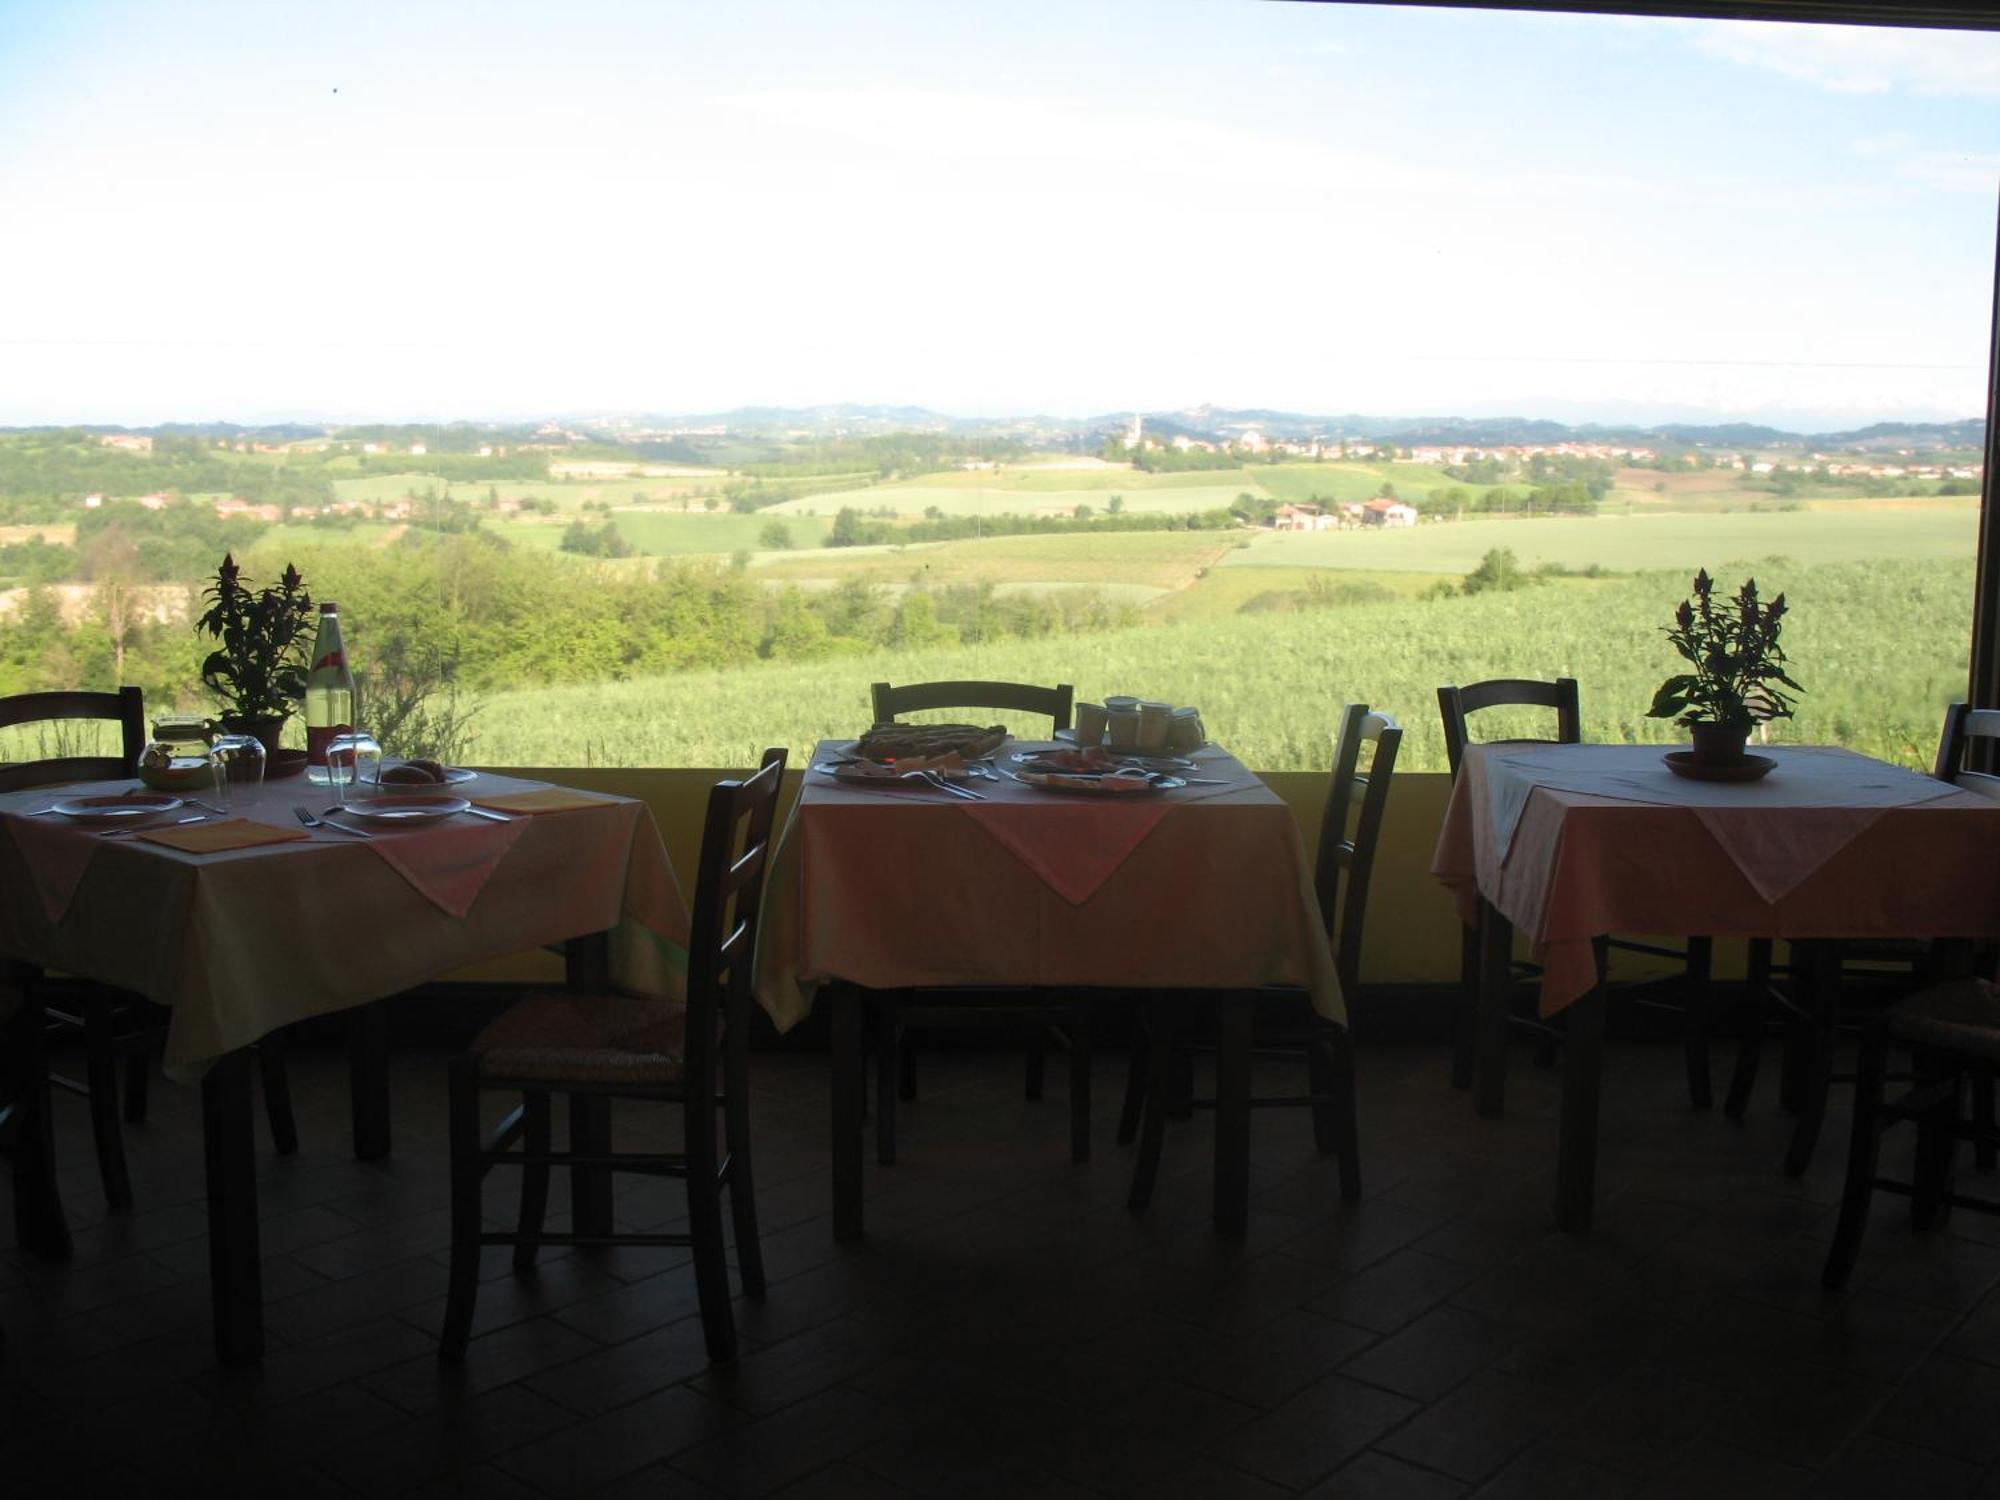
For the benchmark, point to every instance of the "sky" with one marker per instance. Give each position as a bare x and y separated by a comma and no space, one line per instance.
426,211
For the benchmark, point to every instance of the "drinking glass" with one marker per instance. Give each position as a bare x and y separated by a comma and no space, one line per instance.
353,765
238,761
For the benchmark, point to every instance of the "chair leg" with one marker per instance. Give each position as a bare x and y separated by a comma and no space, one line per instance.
100,1053
1322,1087
1464,1006
1863,1153
1818,965
906,1069
1937,1138
1756,1020
711,1255
1079,1085
1697,1020
537,1136
277,1092
138,1076
1037,1068
39,1222
1984,1147
742,1178
1347,1133
465,1215
1169,1021
1135,1087
891,1048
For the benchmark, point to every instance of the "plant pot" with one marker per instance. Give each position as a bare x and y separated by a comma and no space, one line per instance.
265,731
1718,744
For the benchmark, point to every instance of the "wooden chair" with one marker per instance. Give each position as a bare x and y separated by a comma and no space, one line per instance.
1952,1032
604,1046
891,703
1350,829
898,1013
113,1024
1455,706
1870,975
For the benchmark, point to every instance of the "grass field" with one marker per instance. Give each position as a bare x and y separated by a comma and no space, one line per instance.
568,494
969,500
1270,686
1155,559
1625,543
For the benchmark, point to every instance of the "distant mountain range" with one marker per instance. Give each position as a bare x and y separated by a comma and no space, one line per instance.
1213,423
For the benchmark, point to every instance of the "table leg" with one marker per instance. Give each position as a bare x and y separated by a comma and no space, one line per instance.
1234,1013
587,966
1816,975
368,1079
849,1065
235,1270
1496,955
1583,1076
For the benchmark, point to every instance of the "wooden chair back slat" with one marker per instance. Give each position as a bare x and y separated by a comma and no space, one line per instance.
718,985
126,708
1345,865
890,703
1965,728
1457,704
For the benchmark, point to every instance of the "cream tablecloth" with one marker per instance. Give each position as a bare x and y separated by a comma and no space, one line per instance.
1205,887
241,942
1572,841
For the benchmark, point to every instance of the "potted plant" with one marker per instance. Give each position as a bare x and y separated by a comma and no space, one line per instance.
259,668
1739,677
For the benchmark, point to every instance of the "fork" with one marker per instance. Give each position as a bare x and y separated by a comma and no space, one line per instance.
932,778
306,816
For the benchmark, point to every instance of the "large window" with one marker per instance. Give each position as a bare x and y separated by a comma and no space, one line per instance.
646,381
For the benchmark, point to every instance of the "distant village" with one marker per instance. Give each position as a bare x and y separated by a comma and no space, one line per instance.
1251,443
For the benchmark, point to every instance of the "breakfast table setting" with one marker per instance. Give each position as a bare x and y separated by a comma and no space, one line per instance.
243,908
1034,863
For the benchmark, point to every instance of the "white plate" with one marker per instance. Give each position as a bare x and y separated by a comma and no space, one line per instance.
873,773
119,808
406,805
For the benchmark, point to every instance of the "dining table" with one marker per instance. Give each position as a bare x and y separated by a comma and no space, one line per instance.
1198,889
242,920
1570,843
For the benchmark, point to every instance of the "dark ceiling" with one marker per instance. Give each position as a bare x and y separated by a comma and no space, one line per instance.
1965,15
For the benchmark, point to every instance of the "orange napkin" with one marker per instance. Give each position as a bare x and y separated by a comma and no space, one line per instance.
215,838
546,799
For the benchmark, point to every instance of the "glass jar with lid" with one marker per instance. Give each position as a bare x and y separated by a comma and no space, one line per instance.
180,757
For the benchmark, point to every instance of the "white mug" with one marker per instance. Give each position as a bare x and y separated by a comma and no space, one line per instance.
1154,719
1122,731
1090,723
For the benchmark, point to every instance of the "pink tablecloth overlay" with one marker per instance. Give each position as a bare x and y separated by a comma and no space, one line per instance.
1601,844
1200,887
240,942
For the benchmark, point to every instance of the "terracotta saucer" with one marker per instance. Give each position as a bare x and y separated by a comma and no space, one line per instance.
1750,768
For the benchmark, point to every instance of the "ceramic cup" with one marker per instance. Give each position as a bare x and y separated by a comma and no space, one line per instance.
1122,728
1090,723
1113,705
1154,719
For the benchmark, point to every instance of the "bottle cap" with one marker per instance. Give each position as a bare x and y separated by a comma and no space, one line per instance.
329,607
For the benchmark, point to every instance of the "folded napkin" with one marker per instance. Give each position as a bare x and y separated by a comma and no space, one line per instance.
216,838
546,799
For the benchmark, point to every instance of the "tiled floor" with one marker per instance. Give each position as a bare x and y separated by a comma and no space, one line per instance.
1008,1329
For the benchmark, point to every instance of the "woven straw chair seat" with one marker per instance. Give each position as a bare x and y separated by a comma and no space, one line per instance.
1961,1017
585,1039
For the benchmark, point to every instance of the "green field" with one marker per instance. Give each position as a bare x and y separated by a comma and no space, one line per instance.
1158,560
969,500
1941,530
1270,686
568,494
